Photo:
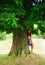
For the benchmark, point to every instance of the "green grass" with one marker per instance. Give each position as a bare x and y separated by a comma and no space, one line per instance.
31,59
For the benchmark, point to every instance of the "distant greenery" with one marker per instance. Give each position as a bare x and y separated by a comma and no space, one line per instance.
2,35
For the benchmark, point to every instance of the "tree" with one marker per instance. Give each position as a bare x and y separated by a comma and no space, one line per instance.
11,14
18,15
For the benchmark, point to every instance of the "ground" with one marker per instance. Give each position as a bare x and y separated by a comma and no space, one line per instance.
31,59
39,46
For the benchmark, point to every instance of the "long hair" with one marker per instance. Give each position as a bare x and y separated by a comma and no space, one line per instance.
29,32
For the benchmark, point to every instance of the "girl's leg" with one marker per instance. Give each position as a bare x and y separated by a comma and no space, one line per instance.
32,46
29,49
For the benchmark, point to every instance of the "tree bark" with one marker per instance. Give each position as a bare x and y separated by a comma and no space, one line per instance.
19,45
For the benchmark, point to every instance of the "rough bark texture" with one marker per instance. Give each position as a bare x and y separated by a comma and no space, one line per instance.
19,45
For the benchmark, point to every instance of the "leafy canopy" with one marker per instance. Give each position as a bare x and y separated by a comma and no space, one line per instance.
21,14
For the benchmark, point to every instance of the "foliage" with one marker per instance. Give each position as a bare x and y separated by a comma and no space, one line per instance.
2,35
37,16
8,12
21,14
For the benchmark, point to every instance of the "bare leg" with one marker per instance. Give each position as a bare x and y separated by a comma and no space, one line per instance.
32,48
29,49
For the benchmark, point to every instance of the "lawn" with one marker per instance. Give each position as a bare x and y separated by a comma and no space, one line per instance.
31,59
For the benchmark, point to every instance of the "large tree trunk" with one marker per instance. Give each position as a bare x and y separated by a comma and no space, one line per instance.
19,45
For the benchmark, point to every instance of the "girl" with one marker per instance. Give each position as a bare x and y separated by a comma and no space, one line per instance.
30,42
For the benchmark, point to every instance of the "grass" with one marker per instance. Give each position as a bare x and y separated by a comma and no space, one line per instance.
31,59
